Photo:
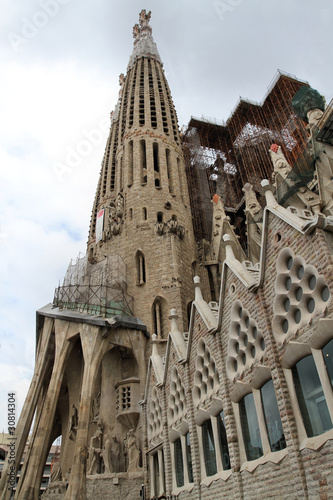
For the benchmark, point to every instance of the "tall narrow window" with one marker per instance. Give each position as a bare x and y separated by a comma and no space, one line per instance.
250,427
180,180
140,268
311,397
272,417
158,318
169,171
179,462
209,448
156,474
143,162
189,458
155,155
121,174
224,449
130,164
328,358
159,216
157,177
144,213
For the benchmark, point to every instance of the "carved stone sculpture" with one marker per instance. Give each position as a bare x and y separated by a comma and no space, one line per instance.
106,455
132,452
120,206
283,181
56,474
115,453
73,423
95,407
144,18
95,451
280,164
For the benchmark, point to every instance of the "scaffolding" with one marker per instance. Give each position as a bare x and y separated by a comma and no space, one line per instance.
97,289
234,153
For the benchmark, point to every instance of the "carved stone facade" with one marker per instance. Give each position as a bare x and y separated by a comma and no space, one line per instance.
182,368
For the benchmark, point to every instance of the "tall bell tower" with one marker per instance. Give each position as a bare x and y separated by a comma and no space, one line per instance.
141,210
93,341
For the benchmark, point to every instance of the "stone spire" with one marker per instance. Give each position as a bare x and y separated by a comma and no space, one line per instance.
141,212
144,45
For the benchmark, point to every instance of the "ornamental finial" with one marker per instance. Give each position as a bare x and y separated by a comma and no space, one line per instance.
140,30
144,18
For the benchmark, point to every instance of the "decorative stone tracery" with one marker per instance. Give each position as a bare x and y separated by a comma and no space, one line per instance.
155,417
246,342
177,402
301,293
206,377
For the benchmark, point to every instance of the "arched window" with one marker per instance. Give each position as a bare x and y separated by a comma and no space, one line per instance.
160,317
140,268
159,216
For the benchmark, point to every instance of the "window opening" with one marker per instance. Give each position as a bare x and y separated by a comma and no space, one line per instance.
272,417
143,160
130,164
179,463
311,397
224,449
328,358
250,427
209,448
189,458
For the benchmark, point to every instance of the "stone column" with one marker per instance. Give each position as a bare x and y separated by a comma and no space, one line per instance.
29,487
93,347
24,424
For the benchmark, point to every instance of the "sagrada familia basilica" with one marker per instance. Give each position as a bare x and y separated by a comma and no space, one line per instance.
189,353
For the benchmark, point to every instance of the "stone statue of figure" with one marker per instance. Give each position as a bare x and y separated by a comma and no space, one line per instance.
324,162
73,423
283,182
95,407
95,450
280,164
115,453
132,452
120,206
107,455
56,474
136,33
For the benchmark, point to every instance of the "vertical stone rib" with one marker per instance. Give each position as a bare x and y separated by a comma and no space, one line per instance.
45,354
40,445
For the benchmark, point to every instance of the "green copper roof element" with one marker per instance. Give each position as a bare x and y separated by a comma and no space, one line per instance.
305,100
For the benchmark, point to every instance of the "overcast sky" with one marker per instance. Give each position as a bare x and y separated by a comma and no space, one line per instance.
59,66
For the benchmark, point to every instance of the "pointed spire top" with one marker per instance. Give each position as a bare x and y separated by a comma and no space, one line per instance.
142,29
144,44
